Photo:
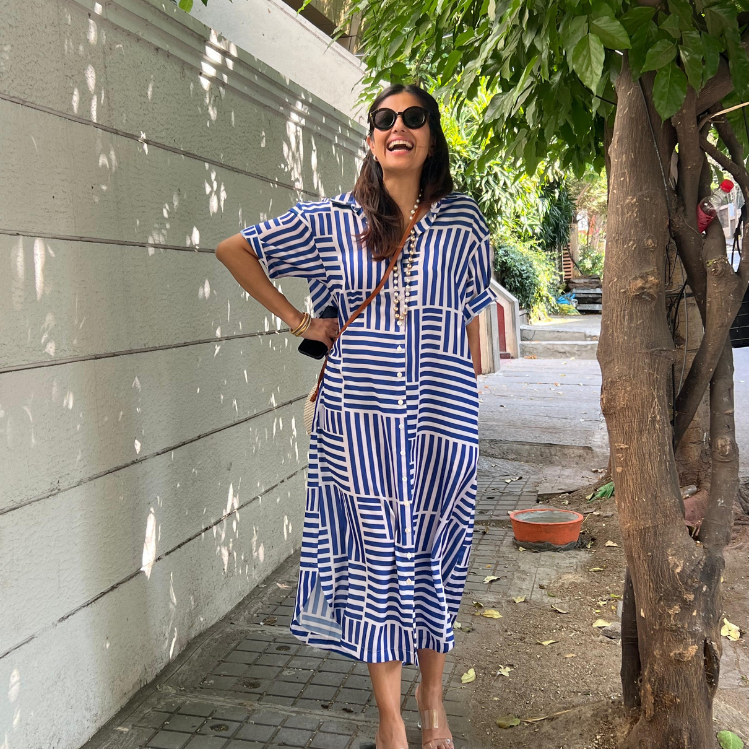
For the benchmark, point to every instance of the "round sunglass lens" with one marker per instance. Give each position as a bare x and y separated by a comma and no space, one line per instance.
384,119
414,117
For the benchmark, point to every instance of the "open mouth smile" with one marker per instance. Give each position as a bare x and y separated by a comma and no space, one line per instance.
400,145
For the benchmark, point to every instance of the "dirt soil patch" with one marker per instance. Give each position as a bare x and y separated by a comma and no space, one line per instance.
573,683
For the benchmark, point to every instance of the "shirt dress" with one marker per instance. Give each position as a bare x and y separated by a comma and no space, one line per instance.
391,483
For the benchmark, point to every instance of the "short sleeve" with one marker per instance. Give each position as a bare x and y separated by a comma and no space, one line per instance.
286,246
480,293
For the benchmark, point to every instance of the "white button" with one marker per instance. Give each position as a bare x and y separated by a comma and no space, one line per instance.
400,348
400,401
402,427
400,374
403,452
408,531
409,581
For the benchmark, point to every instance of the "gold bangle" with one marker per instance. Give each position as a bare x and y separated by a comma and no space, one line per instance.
304,329
303,325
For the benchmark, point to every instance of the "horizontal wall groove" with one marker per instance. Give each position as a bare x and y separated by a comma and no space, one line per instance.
156,144
132,352
183,38
148,456
140,571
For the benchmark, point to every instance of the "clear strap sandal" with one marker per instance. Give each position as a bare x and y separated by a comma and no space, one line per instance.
435,720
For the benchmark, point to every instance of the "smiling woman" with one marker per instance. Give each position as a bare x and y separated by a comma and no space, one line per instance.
391,487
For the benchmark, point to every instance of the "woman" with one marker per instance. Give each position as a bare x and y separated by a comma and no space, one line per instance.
391,484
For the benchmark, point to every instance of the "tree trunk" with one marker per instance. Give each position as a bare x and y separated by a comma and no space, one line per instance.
675,582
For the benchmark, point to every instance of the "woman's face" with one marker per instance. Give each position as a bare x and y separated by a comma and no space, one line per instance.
400,150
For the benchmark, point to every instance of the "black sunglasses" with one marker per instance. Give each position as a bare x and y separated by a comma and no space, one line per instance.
413,118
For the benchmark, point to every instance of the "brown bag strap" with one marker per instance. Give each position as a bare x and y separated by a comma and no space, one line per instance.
367,301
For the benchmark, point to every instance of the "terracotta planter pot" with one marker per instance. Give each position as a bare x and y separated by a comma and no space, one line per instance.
558,527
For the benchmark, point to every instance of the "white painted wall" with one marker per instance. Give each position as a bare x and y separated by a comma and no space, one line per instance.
152,454
290,44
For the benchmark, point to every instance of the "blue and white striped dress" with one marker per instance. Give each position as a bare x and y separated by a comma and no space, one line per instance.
391,486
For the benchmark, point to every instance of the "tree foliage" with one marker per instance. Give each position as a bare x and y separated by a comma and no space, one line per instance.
551,64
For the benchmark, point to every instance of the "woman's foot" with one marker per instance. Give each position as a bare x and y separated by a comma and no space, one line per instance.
391,733
435,732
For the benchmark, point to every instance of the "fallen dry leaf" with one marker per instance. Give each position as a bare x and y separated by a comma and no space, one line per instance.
546,642
509,721
468,676
570,655
610,543
490,578
559,609
519,599
601,623
505,670
491,614
731,631
596,569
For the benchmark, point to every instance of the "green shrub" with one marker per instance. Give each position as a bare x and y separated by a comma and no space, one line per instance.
591,261
529,275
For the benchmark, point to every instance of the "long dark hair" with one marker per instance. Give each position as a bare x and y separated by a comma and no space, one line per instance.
384,219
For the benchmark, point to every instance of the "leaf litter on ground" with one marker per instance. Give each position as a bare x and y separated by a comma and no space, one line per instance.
468,676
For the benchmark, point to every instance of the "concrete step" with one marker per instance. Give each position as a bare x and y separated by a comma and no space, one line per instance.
541,333
554,349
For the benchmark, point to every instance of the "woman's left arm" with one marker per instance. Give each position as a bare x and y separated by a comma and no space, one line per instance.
474,344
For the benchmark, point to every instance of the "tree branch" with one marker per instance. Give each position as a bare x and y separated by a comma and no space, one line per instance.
715,532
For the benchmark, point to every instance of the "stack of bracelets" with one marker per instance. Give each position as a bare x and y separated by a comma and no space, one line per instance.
306,320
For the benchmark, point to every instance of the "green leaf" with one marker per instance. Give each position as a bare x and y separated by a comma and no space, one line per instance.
395,45
602,10
642,40
729,740
452,61
464,37
587,60
713,48
672,26
719,17
635,18
185,5
611,32
399,70
572,32
692,67
682,9
738,63
669,90
659,55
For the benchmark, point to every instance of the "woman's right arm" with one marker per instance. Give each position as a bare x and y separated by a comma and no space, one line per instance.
237,255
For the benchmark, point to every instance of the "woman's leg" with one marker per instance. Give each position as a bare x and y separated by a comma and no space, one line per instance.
434,729
386,683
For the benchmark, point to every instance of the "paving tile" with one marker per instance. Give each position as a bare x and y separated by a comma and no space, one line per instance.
267,717
337,726
328,678
304,722
285,689
330,741
242,656
272,659
187,723
305,662
353,696
168,740
256,732
197,708
206,742
223,728
319,692
231,713
238,744
292,737
356,681
153,719
338,666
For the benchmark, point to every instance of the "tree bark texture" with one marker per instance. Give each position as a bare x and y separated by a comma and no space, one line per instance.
675,582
